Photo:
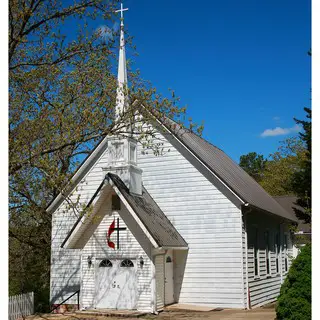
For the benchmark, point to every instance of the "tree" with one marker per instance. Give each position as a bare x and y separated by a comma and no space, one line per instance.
301,180
280,169
253,164
294,301
62,96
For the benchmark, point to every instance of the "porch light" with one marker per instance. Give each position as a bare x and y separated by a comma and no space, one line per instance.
89,259
141,262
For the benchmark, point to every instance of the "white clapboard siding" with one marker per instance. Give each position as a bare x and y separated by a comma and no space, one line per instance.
245,264
207,220
265,288
129,248
66,264
21,305
159,267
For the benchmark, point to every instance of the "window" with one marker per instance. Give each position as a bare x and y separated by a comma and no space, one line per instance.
277,250
285,252
168,259
115,202
105,263
267,244
132,153
126,263
256,253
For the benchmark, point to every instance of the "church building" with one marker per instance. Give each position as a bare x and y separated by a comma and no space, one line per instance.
189,226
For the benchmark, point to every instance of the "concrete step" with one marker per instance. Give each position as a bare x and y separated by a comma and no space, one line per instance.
111,313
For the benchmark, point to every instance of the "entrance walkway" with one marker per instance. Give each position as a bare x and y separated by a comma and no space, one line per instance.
231,314
254,314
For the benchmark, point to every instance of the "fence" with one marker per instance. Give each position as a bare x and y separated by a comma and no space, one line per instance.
21,305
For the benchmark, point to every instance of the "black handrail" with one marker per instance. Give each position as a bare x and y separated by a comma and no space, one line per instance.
78,295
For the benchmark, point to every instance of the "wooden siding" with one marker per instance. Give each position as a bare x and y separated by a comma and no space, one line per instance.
65,263
212,272
265,288
66,266
129,248
159,264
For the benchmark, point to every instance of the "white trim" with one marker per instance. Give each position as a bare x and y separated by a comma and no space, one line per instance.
85,219
174,248
153,286
78,174
256,251
141,225
286,257
246,253
280,253
268,256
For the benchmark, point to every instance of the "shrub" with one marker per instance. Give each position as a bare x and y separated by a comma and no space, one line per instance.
294,301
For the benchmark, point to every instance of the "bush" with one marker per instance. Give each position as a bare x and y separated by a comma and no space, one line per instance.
294,301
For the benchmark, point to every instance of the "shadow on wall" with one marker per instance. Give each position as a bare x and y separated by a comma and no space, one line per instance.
180,261
70,286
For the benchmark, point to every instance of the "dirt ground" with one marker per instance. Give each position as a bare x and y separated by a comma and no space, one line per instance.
255,314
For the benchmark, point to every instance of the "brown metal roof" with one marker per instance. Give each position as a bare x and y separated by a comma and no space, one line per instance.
153,218
239,181
289,202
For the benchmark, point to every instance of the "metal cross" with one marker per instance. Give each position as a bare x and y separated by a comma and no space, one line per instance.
121,10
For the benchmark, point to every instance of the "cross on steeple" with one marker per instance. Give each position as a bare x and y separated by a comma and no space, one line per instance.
122,100
121,10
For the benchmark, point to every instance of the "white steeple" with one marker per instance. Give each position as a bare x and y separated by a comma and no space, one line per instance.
123,150
122,99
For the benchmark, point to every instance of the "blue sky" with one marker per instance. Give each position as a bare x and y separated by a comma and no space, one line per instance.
241,66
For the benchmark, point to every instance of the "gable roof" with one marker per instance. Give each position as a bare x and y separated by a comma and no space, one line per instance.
154,222
238,180
153,218
289,202
222,166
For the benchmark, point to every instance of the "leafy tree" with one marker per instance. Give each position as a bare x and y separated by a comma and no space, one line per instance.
62,96
253,164
294,301
280,169
301,180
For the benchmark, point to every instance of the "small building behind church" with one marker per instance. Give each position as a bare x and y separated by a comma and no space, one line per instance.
189,226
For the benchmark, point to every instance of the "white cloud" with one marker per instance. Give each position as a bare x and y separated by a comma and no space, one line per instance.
276,118
279,131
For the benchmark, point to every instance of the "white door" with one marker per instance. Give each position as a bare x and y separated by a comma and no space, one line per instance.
116,284
168,278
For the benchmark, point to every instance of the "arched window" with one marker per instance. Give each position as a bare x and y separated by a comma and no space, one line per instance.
126,263
168,259
105,263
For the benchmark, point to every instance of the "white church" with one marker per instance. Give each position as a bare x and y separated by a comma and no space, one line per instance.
189,226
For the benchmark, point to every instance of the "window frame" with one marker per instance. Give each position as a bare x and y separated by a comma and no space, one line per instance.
285,250
126,261
256,253
105,263
278,252
267,248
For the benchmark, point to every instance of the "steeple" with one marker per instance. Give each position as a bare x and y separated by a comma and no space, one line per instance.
123,149
122,71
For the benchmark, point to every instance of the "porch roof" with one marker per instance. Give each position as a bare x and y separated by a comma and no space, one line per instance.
144,209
